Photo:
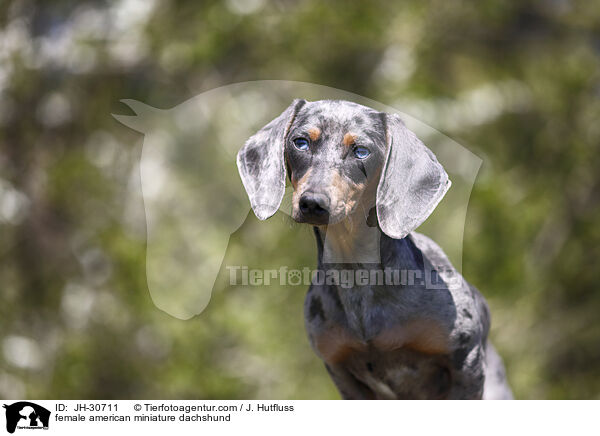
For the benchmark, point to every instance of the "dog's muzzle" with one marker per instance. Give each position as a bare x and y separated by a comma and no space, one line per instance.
314,208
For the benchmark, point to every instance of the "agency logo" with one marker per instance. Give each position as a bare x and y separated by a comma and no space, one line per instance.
26,415
194,199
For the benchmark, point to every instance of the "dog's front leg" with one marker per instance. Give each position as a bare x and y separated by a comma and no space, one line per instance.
350,387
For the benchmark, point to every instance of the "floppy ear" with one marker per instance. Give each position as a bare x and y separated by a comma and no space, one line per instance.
412,181
261,164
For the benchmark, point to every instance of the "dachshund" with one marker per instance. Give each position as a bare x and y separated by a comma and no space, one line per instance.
408,325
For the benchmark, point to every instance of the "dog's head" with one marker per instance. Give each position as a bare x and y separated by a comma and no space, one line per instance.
342,159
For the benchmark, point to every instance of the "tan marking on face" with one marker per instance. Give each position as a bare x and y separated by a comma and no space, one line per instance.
345,194
314,133
349,235
422,335
336,344
346,212
349,139
297,184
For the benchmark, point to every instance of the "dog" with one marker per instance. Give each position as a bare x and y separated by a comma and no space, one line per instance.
365,182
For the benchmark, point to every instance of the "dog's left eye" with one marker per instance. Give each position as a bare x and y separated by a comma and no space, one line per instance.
301,144
361,152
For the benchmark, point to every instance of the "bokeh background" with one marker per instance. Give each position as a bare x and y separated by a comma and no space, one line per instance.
516,83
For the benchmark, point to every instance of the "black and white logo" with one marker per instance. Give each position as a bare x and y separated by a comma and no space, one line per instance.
26,415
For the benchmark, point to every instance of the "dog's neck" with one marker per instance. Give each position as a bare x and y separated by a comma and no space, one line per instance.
355,240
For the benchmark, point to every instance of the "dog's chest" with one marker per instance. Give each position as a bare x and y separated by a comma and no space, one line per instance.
396,356
341,321
410,360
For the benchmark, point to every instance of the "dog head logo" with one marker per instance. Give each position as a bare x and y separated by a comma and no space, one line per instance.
194,198
26,415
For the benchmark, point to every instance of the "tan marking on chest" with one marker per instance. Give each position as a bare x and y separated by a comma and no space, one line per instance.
337,344
423,335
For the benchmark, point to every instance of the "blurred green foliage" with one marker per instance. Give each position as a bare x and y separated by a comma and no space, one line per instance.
517,83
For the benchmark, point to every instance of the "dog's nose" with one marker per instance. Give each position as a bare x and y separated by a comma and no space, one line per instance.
314,205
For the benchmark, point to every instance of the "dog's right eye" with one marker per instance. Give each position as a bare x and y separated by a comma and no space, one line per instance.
301,144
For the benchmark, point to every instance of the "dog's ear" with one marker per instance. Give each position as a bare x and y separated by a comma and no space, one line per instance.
261,163
412,181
